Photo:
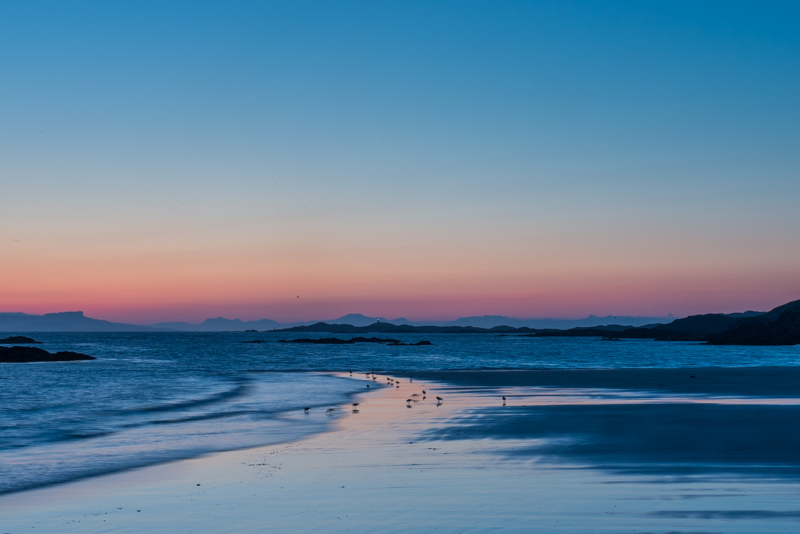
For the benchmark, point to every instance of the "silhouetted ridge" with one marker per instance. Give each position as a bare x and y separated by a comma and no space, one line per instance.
389,328
62,322
699,326
780,326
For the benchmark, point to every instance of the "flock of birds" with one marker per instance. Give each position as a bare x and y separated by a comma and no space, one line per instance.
391,382
396,383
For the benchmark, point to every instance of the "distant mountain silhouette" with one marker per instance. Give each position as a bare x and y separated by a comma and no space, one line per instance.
356,319
389,328
220,324
699,326
490,321
62,322
780,326
692,328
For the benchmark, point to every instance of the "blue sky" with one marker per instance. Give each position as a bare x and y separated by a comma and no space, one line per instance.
423,159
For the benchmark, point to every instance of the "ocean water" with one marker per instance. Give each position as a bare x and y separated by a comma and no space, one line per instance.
156,397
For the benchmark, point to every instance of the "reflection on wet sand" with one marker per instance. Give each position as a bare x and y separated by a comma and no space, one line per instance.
555,459
636,430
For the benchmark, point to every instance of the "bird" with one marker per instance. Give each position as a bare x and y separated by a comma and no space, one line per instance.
439,398
355,404
330,411
423,392
504,400
306,409
367,385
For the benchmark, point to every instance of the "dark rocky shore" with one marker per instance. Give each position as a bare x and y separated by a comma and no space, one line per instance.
780,326
18,340
32,354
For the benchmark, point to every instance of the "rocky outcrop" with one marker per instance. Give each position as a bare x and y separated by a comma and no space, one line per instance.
388,328
339,341
18,340
354,340
699,326
32,354
780,326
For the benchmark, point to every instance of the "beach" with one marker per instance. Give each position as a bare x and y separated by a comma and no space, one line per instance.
400,267
579,451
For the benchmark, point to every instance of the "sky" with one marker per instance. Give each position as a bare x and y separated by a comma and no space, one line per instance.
302,160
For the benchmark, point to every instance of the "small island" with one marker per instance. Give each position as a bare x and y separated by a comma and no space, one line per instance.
32,354
351,341
18,340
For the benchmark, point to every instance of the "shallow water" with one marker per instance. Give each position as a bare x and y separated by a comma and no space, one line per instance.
153,397
446,467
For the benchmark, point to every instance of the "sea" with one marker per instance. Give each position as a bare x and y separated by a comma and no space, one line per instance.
155,397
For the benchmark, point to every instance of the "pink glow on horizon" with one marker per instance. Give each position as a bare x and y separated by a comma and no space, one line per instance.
190,284
569,304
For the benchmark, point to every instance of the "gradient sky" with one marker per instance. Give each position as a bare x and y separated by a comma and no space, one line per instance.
180,160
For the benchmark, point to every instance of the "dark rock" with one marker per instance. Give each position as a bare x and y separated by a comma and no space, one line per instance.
322,341
389,328
697,326
32,354
17,340
339,341
374,340
780,326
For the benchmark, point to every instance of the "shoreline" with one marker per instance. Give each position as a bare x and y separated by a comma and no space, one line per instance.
467,464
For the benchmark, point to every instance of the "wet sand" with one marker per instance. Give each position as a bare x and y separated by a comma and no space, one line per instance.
568,453
750,381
